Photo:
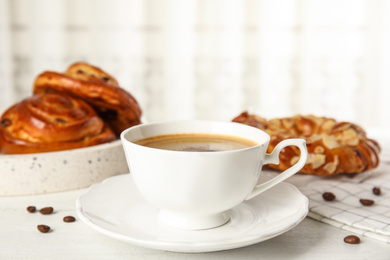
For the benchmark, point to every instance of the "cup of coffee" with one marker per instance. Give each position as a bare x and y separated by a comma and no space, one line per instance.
195,171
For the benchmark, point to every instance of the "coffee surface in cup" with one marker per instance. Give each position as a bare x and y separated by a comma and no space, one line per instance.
197,142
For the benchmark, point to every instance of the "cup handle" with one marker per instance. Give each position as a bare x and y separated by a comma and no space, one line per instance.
273,158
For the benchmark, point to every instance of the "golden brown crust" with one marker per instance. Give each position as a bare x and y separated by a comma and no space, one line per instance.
115,105
89,73
333,147
51,122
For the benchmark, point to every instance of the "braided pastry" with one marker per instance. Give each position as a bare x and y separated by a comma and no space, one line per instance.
51,122
115,105
333,147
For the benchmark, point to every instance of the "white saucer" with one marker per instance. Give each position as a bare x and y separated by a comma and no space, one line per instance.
115,208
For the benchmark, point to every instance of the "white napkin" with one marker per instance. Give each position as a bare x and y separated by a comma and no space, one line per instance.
346,211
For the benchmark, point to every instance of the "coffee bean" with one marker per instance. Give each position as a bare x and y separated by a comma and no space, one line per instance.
352,239
367,202
43,228
328,196
69,219
31,209
376,191
46,210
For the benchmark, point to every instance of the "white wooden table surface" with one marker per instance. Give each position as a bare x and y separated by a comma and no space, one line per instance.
20,239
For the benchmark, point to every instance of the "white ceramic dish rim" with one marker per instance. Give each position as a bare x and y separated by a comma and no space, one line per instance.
76,150
40,173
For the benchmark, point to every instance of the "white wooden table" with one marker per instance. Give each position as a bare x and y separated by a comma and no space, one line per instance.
20,239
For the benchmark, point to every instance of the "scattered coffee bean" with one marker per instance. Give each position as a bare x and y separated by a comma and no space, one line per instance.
31,209
43,228
367,202
376,191
46,210
352,239
328,196
69,219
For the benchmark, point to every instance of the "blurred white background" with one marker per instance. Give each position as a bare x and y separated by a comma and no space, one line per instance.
211,59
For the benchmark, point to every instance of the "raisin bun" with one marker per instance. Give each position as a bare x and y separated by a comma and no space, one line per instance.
115,105
51,122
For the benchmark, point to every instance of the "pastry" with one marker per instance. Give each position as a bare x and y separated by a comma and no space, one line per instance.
51,122
333,147
116,106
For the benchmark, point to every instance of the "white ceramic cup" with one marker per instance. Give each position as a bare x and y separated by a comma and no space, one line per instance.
195,190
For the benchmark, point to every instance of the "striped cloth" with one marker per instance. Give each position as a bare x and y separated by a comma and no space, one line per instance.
346,211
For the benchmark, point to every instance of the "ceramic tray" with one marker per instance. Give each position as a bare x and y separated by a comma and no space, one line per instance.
60,171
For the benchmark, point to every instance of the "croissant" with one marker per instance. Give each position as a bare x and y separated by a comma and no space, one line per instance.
115,105
333,147
51,122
